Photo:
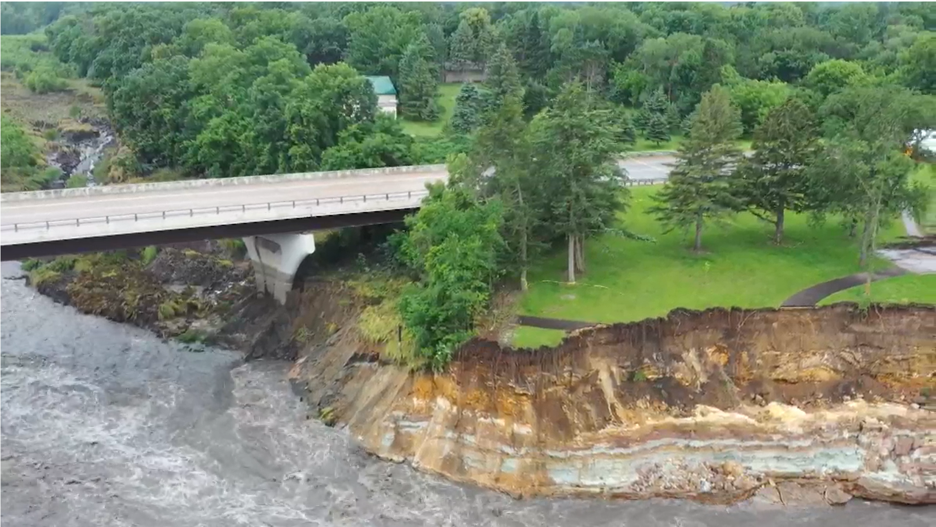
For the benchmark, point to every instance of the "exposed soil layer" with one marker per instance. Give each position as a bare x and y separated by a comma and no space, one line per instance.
715,406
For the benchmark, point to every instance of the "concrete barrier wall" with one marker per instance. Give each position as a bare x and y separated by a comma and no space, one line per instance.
222,182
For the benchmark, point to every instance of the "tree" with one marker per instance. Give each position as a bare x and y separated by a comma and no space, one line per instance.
379,36
658,129
453,245
833,75
773,180
862,172
322,40
918,64
461,52
574,147
534,49
503,77
329,100
698,187
202,31
501,144
381,143
418,81
150,109
756,98
468,108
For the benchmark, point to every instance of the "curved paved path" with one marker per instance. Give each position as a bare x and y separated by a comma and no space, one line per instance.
812,295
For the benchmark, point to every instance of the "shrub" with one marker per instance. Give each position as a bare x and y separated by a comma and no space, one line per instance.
77,181
170,309
43,275
148,255
234,246
30,264
192,336
62,263
45,80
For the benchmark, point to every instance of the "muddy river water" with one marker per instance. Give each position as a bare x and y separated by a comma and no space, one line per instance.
104,424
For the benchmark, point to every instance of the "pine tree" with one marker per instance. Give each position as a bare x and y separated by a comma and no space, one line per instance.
698,189
774,179
574,146
468,108
657,103
502,76
658,129
462,50
535,52
642,119
418,81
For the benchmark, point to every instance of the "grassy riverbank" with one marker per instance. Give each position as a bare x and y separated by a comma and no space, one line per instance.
630,280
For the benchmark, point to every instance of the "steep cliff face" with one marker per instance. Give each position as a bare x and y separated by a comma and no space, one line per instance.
712,405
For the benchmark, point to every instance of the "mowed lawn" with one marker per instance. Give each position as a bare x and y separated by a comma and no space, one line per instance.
629,280
926,174
446,98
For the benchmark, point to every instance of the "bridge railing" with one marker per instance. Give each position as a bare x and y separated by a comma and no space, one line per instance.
268,205
201,211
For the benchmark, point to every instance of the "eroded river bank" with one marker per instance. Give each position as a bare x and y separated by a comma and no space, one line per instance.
106,424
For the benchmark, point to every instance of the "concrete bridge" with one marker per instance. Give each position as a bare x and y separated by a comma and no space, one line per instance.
269,212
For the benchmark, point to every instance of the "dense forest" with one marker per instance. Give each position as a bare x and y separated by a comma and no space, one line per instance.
830,95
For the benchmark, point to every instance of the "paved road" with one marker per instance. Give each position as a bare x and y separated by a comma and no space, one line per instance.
147,202
56,209
642,168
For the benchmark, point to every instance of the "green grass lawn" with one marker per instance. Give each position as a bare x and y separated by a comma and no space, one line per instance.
897,290
645,145
629,280
446,99
926,174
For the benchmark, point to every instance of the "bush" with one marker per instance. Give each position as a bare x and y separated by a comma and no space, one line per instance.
192,336
43,275
62,263
171,309
31,264
45,80
234,247
77,181
148,255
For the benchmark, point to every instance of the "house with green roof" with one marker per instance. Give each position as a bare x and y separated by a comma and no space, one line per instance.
386,94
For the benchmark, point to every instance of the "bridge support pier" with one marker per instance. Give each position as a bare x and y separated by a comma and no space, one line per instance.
276,258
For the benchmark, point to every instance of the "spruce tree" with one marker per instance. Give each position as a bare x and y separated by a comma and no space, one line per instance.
418,82
698,189
502,77
774,179
658,129
468,108
462,49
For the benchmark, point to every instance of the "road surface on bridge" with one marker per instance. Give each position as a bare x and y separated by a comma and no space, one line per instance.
68,208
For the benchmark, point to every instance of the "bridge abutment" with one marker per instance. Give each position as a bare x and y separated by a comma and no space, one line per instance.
276,258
